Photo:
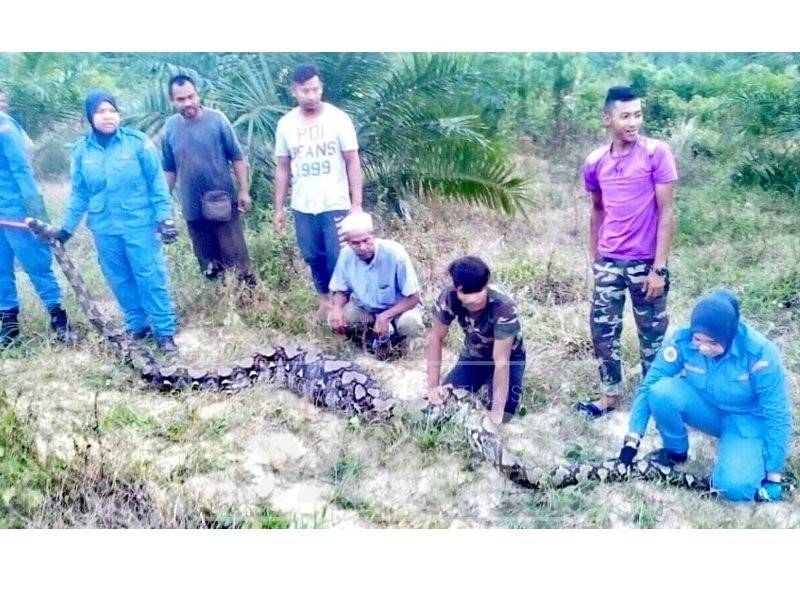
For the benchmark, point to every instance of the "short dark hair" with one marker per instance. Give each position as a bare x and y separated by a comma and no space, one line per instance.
179,79
469,273
303,73
620,93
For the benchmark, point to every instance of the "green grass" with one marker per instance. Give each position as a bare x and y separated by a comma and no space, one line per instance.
743,239
22,478
123,416
645,516
346,469
265,517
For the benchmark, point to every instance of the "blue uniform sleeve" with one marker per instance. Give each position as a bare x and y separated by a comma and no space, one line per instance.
156,182
79,196
769,381
13,147
668,363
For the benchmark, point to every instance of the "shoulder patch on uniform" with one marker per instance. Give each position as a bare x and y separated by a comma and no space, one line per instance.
670,354
758,365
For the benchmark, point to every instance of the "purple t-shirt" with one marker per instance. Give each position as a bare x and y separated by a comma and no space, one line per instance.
628,183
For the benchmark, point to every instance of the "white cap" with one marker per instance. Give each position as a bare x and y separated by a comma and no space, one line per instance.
356,222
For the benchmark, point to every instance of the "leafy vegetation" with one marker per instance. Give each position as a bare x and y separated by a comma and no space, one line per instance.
458,141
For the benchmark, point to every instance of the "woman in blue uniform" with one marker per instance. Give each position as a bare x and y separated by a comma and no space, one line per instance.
724,378
117,178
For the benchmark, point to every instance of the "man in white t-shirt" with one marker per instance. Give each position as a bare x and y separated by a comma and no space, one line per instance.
316,143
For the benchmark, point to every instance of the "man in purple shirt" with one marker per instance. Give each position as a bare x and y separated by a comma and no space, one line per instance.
630,181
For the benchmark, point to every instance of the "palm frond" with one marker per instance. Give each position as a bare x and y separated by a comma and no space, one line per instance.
250,99
459,173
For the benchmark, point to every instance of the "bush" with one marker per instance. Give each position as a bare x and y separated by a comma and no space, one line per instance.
771,169
51,160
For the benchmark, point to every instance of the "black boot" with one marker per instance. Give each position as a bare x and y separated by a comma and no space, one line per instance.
167,345
61,325
668,458
143,334
9,326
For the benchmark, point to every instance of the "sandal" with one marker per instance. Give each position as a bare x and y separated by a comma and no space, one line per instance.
592,410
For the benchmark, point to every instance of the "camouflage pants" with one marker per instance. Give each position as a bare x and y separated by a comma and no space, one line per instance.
611,278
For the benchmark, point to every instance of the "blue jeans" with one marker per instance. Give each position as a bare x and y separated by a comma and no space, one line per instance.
473,373
319,244
740,466
35,258
134,267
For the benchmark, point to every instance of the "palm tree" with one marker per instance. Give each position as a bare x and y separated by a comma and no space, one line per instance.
769,123
46,88
421,119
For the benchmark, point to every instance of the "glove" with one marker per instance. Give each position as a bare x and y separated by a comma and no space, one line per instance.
168,231
34,208
629,450
770,491
627,454
62,236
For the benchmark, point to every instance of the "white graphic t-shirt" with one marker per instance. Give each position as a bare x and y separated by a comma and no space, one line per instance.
319,176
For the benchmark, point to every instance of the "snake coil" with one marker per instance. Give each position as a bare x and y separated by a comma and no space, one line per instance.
340,385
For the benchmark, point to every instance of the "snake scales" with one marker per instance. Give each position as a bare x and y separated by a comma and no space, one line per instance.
338,384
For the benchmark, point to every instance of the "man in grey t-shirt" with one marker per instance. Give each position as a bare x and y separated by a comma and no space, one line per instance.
199,149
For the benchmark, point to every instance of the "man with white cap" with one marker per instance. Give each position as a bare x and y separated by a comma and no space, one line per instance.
374,284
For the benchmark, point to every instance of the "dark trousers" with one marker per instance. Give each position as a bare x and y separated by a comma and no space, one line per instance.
221,247
319,244
473,373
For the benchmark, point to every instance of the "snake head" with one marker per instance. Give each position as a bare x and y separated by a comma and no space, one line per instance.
39,228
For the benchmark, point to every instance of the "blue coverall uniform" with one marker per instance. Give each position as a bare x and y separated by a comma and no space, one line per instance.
741,398
122,186
17,184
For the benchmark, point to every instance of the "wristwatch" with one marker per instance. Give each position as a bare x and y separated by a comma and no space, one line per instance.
661,272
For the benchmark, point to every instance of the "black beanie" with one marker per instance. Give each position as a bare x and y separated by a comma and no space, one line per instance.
717,316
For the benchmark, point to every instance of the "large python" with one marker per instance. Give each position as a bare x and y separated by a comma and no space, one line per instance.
340,385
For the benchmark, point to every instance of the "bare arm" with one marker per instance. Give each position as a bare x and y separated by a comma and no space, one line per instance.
171,177
340,299
355,178
336,315
664,233
435,343
402,305
282,173
654,284
240,171
596,219
501,353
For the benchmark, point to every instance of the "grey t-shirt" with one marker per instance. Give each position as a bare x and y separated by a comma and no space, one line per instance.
200,150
